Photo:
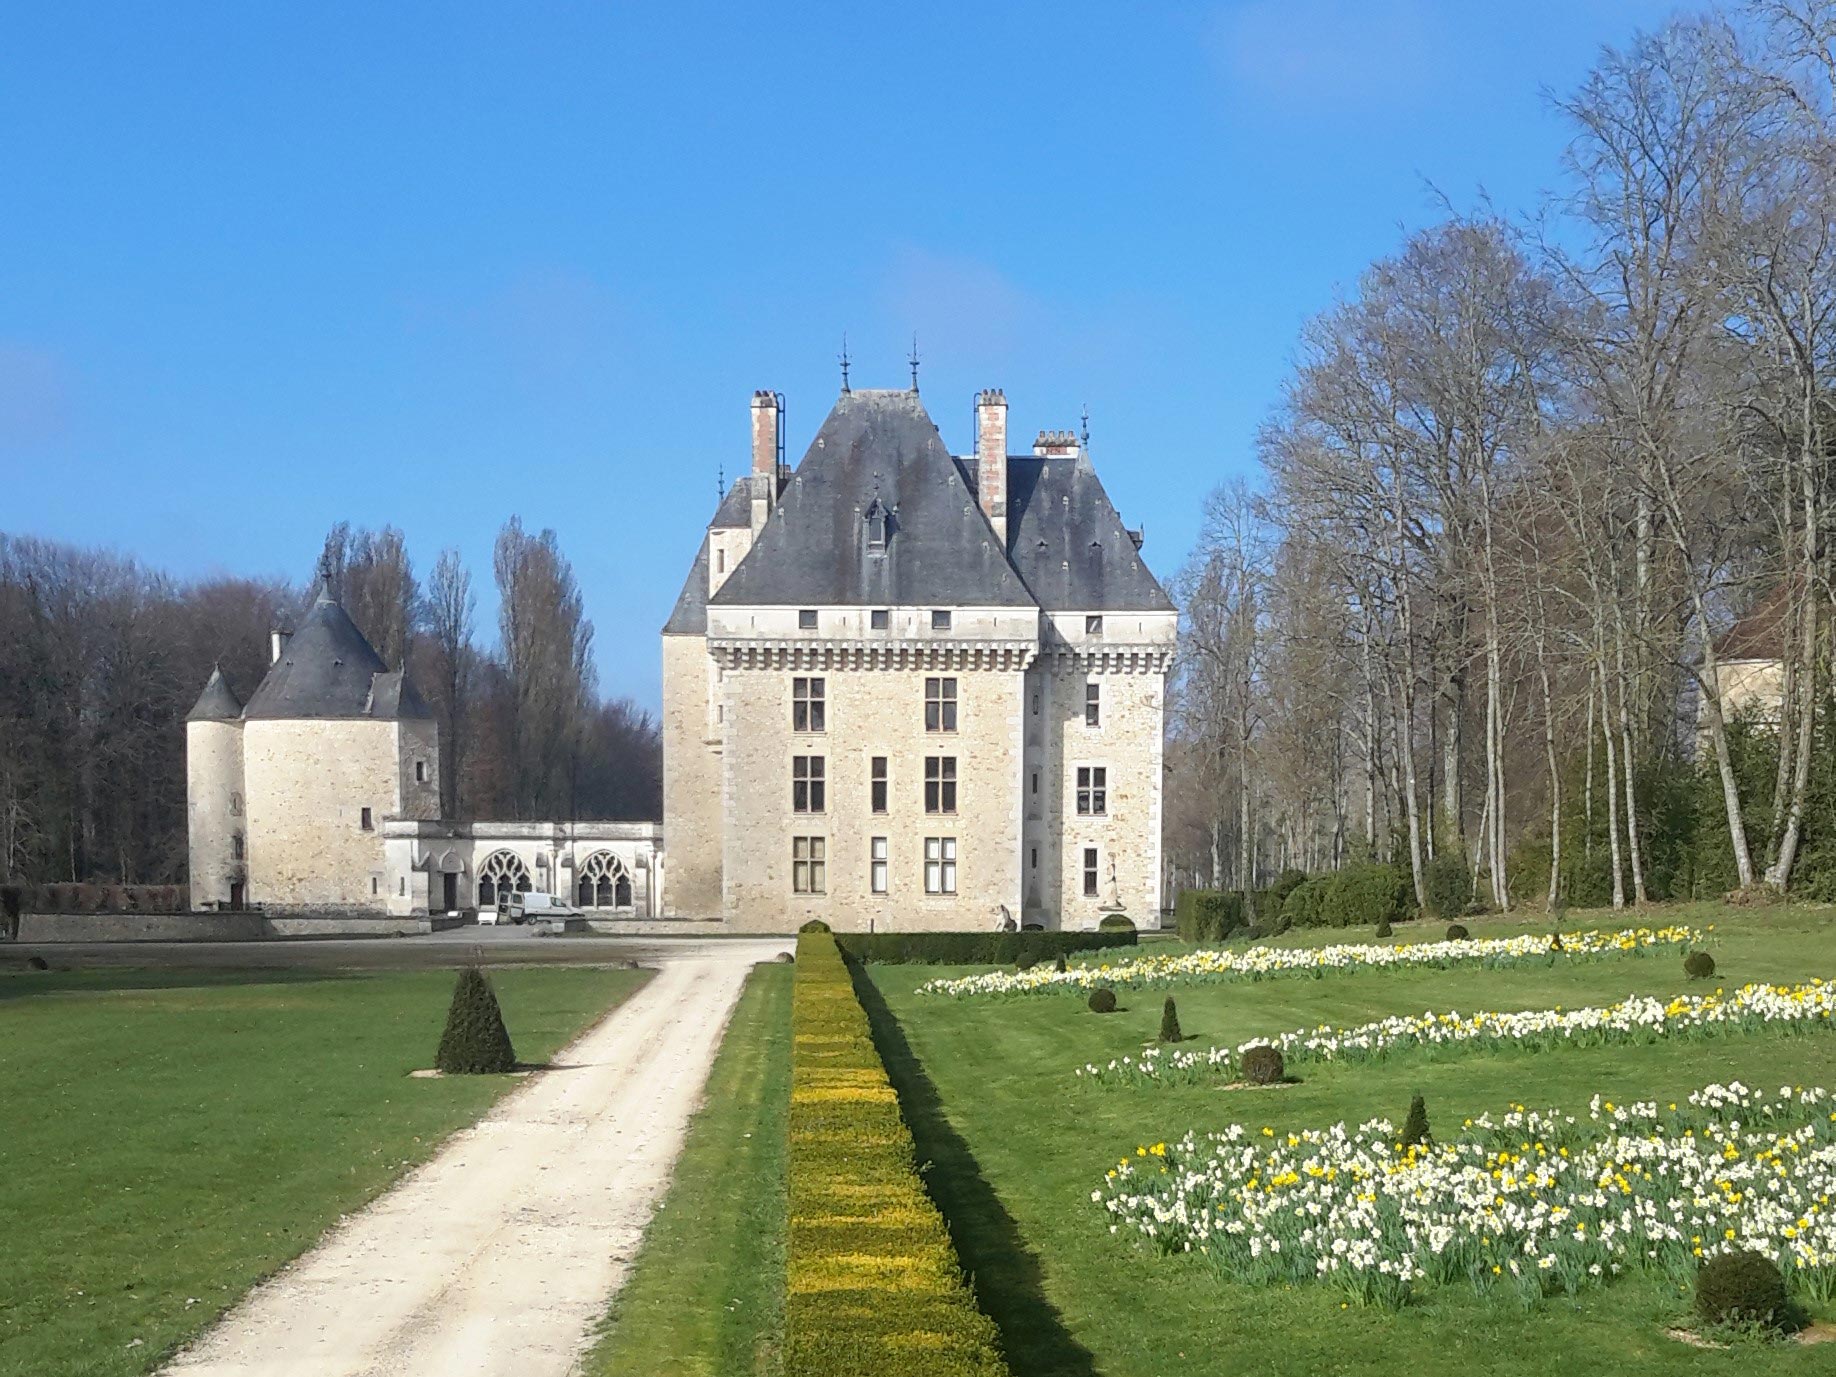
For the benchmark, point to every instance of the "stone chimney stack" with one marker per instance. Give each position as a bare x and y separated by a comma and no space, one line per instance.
767,420
991,458
277,644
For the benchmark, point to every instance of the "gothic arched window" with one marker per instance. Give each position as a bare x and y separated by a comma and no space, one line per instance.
604,882
502,874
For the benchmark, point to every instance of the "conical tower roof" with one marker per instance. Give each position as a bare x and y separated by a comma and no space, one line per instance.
218,702
326,668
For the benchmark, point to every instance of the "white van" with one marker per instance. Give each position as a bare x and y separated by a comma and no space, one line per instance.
528,908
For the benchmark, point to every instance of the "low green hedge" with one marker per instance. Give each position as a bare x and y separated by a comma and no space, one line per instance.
1208,915
873,1285
1361,895
973,948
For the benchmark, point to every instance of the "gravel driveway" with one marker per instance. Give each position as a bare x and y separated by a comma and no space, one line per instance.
499,1254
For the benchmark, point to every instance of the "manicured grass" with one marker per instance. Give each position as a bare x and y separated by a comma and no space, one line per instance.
706,1297
1018,1143
168,1138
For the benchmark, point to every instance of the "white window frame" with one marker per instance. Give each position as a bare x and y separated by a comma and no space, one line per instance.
878,865
1090,785
1090,872
940,865
809,864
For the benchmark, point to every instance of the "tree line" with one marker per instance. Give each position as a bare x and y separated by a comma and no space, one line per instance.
101,657
1522,483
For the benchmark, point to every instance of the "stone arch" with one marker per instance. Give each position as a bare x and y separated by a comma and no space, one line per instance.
604,882
501,875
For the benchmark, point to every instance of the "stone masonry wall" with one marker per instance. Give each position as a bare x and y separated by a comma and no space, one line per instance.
691,781
306,783
213,808
869,712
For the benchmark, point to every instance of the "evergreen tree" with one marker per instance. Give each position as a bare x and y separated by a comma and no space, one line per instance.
1169,1022
475,1040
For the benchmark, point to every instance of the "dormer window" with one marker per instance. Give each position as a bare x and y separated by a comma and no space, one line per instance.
878,528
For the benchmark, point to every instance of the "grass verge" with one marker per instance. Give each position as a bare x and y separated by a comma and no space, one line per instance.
167,1139
706,1295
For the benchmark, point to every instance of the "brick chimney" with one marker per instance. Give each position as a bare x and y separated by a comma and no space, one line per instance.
1055,444
766,420
991,458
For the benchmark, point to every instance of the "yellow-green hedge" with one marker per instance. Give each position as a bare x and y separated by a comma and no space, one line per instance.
874,1287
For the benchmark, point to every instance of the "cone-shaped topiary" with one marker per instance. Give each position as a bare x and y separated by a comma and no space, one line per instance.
1415,1127
1169,1022
1262,1064
1456,932
1743,1288
814,925
1059,964
1699,965
475,1040
1383,928
1102,1000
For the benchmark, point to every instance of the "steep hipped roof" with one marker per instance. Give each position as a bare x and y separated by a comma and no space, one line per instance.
689,617
735,510
328,669
1065,538
218,702
876,445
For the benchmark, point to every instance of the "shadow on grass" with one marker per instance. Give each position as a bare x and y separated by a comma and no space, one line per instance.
1009,1284
17,982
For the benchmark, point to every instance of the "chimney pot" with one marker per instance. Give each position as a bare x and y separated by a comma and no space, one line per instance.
277,644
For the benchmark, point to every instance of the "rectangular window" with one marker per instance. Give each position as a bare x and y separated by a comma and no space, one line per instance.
1092,790
366,821
375,885
939,705
876,784
402,886
876,865
1093,705
1035,858
420,772
882,619
1090,872
720,559
1035,705
809,711
1035,784
1093,626
940,865
809,865
940,620
940,784
808,785
806,619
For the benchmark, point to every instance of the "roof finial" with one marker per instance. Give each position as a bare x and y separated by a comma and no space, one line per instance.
844,362
720,481
1083,435
913,360
325,575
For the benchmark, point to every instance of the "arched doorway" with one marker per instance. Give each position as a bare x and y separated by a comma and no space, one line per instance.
502,874
604,882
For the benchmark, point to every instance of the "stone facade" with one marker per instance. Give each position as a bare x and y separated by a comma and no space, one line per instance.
1016,586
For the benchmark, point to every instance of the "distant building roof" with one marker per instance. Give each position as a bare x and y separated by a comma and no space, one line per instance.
689,617
218,702
1760,634
328,669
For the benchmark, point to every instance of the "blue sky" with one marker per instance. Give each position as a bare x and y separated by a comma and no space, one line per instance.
266,267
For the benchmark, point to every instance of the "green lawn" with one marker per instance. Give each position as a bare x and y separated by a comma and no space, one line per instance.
706,1298
168,1138
1018,1143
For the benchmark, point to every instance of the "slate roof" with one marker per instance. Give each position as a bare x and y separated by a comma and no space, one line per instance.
218,702
942,551
689,617
1068,543
735,511
328,669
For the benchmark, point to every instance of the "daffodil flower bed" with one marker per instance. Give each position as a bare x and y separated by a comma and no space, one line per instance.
1530,1204
1211,966
1639,1019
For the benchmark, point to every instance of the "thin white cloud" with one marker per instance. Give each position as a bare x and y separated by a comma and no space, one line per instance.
1301,57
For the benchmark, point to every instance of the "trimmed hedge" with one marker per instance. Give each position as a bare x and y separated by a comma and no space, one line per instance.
1115,922
873,1285
973,948
1208,915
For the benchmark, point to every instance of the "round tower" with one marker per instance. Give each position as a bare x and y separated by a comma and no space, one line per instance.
214,798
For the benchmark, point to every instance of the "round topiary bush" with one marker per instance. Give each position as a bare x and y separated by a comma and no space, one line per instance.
1115,922
1742,1288
1262,1064
1456,932
815,925
1025,961
475,1041
1254,932
1384,929
1169,1022
1102,1000
1699,965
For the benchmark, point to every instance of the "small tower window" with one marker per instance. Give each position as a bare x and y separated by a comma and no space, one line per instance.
366,821
1093,626
235,805
940,620
806,619
420,772
882,618
235,846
